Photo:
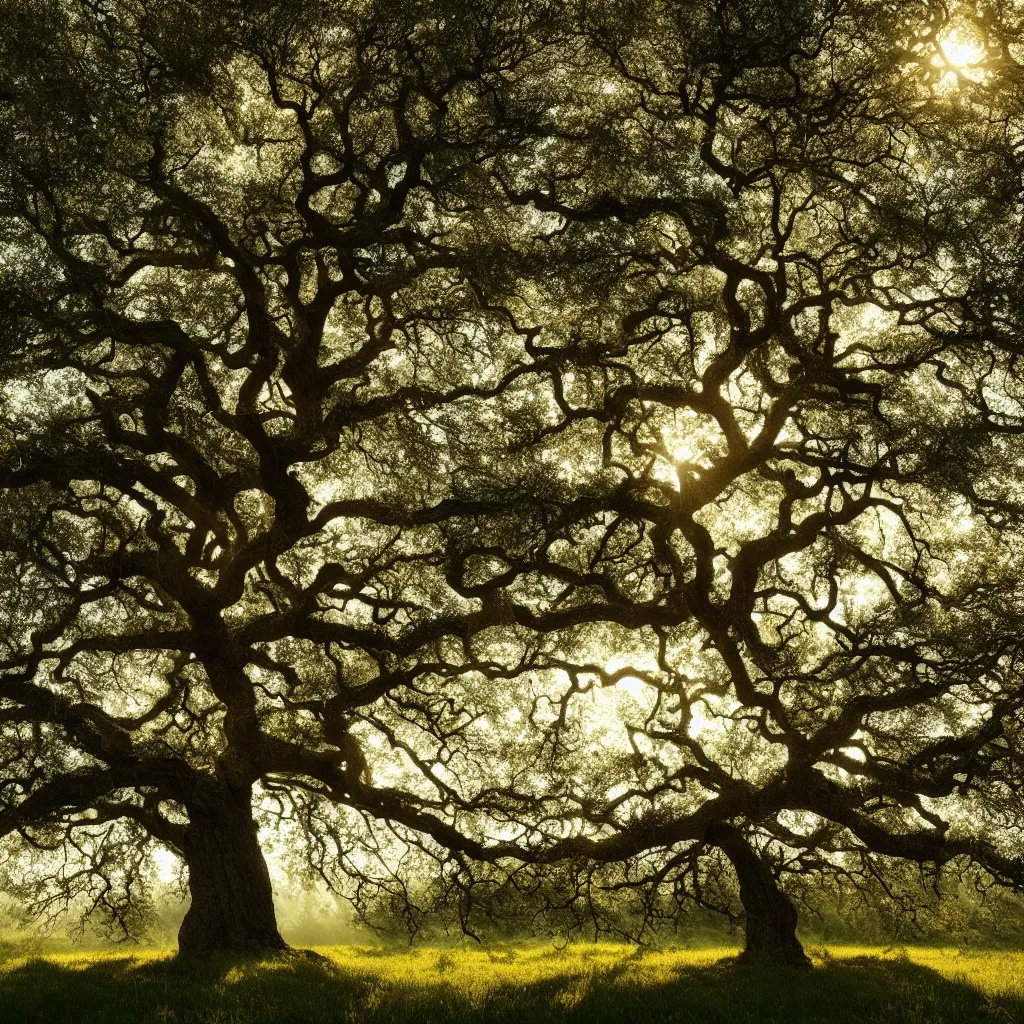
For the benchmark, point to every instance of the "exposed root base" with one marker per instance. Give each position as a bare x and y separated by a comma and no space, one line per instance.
794,960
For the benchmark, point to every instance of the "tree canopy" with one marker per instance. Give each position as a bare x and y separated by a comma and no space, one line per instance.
531,433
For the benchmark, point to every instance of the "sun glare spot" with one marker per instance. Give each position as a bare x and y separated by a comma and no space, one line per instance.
166,865
961,55
633,686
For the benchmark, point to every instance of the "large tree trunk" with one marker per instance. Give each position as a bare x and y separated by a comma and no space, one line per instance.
771,918
232,901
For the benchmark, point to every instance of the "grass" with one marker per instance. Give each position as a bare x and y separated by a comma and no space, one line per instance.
596,984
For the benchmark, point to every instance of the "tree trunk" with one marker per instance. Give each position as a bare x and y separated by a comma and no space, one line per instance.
232,901
771,918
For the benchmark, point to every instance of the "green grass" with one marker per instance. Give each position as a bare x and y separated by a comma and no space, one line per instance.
519,985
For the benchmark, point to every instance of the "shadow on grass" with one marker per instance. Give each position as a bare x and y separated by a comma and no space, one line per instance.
297,987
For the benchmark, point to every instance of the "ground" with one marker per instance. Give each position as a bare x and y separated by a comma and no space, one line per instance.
596,984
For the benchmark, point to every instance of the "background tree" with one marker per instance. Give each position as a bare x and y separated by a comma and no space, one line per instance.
810,437
534,434
795,354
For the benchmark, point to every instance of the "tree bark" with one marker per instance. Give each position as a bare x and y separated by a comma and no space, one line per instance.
232,901
771,918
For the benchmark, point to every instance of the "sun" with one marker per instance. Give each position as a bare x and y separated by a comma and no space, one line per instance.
961,54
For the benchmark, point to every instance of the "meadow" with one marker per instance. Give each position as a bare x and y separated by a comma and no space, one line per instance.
512,985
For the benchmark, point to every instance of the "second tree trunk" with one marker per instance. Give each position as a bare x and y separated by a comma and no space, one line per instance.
771,918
